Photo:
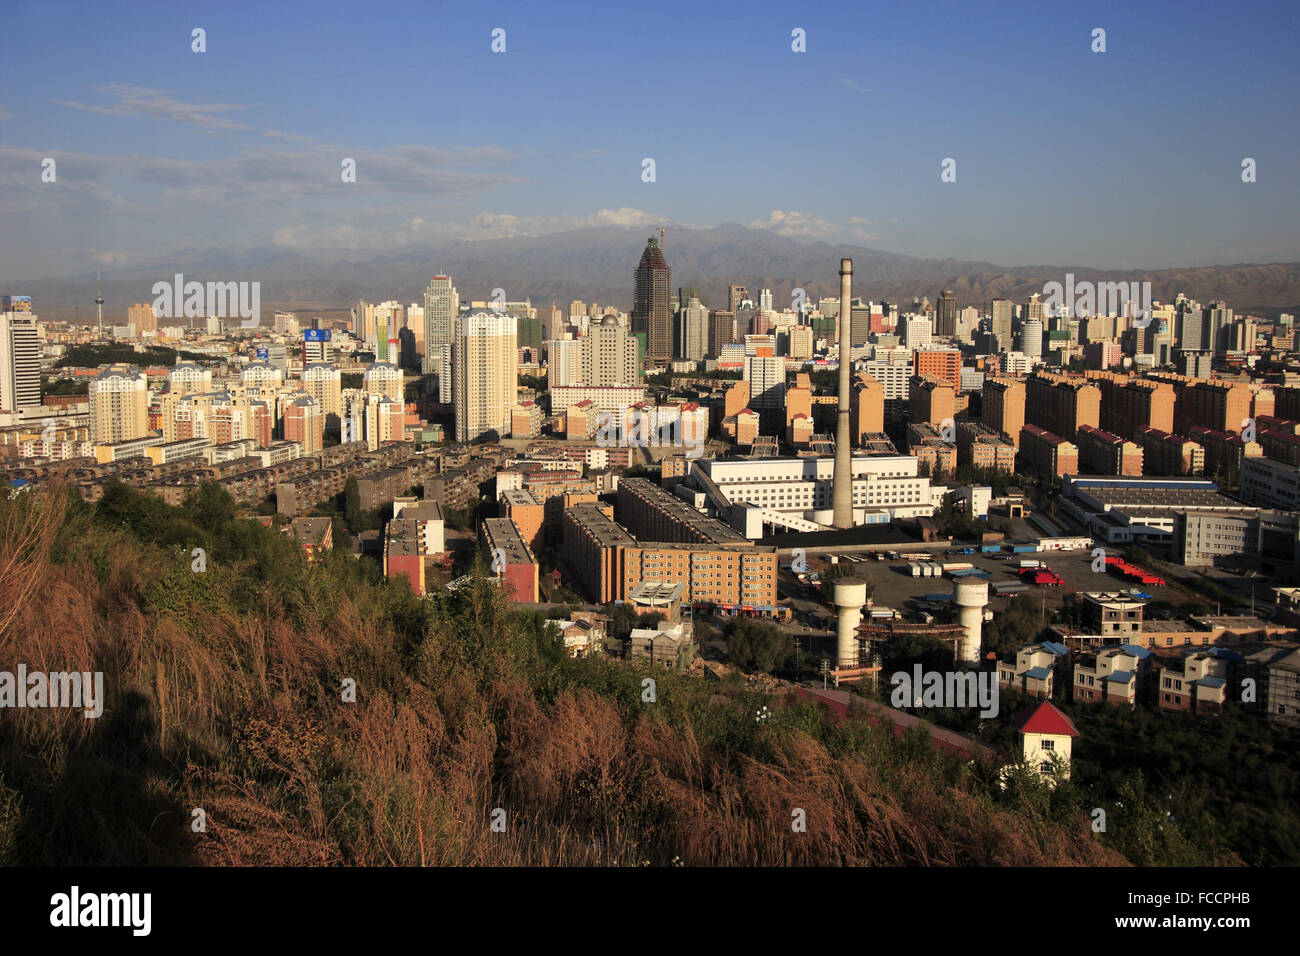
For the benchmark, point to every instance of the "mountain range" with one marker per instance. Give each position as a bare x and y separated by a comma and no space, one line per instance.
596,264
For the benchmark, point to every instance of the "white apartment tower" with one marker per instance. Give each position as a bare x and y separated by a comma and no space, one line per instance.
485,373
20,362
119,405
609,354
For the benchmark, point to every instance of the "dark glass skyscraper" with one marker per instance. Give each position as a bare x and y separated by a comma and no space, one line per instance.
651,313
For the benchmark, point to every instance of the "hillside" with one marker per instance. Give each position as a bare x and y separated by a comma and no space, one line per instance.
224,693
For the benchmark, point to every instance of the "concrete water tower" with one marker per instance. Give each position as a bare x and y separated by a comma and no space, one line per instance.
971,598
850,598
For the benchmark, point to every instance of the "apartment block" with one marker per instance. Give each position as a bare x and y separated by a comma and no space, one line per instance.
653,514
1060,404
1046,453
1216,405
1003,410
527,513
982,447
402,554
1129,403
609,563
932,401
1225,452
943,365
507,554
1107,454
1166,454
866,408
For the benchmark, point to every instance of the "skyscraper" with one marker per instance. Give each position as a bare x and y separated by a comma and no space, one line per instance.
485,371
650,310
946,314
441,306
736,294
722,330
1031,338
609,354
1000,323
20,362
692,332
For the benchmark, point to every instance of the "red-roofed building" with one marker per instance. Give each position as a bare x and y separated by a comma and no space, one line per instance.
1046,734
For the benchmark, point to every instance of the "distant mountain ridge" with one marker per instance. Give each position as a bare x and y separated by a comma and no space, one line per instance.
597,264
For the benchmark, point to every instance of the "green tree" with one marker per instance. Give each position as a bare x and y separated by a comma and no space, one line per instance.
352,503
1021,623
755,645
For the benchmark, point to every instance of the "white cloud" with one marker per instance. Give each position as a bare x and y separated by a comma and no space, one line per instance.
798,225
140,102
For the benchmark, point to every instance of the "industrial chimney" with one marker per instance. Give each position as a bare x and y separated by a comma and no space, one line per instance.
842,487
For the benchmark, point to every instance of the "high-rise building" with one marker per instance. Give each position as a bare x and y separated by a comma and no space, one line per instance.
650,309
1003,409
916,332
383,378
304,422
142,318
736,296
609,354
1190,327
1033,309
945,314
692,332
119,405
722,330
186,378
564,362
1000,323
324,384
1031,337
441,306
20,362
1217,332
485,370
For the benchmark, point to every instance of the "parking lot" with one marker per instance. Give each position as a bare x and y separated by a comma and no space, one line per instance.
895,586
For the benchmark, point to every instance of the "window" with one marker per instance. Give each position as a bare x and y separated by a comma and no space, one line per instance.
1049,745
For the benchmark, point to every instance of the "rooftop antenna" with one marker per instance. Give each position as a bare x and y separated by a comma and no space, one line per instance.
99,305
661,238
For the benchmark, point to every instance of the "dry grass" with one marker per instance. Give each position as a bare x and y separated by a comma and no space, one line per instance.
240,714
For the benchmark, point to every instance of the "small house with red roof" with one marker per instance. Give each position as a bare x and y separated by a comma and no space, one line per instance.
1045,735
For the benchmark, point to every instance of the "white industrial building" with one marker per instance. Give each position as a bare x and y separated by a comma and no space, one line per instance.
800,488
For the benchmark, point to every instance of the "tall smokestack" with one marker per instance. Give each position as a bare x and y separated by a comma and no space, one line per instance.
842,490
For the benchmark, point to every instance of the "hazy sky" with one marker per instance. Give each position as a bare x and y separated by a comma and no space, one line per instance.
1125,159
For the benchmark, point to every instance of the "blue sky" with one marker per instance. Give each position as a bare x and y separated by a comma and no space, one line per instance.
1125,159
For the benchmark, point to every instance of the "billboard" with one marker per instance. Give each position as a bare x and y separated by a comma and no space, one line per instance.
15,303
316,335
